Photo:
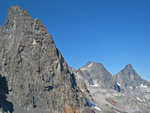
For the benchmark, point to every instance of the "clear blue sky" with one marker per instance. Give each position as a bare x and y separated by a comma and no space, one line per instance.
113,32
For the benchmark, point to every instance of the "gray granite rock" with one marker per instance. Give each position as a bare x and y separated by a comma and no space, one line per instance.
132,94
96,73
128,77
37,74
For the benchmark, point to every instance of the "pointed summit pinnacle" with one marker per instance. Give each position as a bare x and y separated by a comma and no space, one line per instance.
14,10
16,16
40,78
128,69
129,66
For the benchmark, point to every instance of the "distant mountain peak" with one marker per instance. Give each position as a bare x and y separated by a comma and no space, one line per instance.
89,62
128,67
96,74
93,64
129,77
128,70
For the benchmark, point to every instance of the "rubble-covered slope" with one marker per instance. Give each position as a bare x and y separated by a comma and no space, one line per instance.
134,94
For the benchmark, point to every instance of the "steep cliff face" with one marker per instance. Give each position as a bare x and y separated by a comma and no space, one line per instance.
37,74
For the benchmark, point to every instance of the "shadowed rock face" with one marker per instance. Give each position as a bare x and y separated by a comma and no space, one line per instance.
37,74
5,105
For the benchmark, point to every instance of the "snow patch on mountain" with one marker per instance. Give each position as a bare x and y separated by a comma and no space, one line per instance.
139,99
83,69
118,84
93,105
34,42
95,84
90,64
143,86
97,108
136,86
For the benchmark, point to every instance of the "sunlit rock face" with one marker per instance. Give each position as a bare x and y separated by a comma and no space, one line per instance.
96,75
125,92
128,77
37,74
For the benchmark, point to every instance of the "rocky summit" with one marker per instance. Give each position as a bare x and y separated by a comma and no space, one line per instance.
128,77
97,75
130,95
34,77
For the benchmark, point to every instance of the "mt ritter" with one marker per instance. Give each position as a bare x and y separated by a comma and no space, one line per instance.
35,78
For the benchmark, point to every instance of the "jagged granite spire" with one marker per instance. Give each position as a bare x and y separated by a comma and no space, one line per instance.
128,66
37,74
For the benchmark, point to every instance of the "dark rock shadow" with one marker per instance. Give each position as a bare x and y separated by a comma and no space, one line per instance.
5,105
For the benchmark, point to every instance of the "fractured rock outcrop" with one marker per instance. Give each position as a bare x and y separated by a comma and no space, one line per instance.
37,74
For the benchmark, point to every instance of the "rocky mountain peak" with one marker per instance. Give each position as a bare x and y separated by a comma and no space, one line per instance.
93,66
97,75
128,77
37,74
128,71
13,13
128,66
16,11
91,63
96,70
16,17
131,88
